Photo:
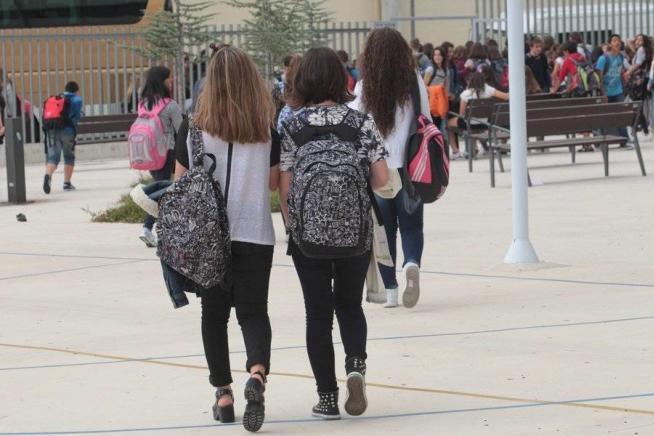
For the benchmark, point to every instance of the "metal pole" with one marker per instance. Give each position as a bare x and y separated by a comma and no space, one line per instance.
521,250
413,16
15,161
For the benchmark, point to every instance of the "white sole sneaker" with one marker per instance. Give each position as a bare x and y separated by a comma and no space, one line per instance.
356,401
148,238
326,417
412,290
391,298
376,297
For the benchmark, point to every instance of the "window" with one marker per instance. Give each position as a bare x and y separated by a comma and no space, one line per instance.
17,14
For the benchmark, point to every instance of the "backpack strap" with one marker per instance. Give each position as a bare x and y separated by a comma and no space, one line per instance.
228,177
342,130
415,100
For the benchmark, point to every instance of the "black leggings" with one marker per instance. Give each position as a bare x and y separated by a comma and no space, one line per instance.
251,264
321,301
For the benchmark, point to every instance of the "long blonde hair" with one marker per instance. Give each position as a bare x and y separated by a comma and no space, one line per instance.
235,104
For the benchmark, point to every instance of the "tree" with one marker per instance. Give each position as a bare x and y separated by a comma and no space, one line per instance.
277,28
169,35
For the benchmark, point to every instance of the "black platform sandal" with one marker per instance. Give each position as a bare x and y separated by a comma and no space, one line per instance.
255,410
327,407
224,414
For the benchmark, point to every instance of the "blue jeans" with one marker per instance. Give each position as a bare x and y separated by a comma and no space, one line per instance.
164,174
411,233
58,141
619,99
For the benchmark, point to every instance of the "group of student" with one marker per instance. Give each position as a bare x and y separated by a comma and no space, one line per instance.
362,127
615,69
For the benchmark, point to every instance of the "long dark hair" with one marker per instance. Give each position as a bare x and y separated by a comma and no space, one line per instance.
388,75
443,52
489,77
477,83
647,45
155,87
478,51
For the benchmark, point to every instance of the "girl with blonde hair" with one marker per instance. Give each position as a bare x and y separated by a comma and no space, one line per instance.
233,122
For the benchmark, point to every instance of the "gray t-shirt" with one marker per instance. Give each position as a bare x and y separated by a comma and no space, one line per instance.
171,118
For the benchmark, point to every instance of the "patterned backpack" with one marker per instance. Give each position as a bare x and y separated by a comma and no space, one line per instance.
329,201
146,140
426,174
193,229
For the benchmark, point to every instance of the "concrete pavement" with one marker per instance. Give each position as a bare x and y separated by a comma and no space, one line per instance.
89,342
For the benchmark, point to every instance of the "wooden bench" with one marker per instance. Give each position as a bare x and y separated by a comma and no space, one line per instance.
568,121
104,128
481,112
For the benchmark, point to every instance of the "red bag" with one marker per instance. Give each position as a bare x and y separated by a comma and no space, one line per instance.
56,112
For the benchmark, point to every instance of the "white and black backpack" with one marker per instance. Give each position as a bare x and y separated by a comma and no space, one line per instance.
330,198
193,228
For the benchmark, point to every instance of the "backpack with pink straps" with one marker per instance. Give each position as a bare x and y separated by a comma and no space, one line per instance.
146,141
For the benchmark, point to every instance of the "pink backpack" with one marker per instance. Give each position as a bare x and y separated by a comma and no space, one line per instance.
146,140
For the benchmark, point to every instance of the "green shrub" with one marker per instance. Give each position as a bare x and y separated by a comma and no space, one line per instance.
126,211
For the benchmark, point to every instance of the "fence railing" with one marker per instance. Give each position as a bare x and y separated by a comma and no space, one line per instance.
108,67
595,19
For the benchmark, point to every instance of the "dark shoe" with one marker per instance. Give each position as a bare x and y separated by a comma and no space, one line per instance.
69,186
46,184
255,411
327,407
356,401
224,414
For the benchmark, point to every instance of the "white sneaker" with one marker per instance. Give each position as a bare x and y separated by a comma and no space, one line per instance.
412,290
456,155
376,297
391,298
148,238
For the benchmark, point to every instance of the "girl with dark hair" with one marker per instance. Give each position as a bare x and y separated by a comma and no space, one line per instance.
428,73
389,78
499,66
478,56
156,95
330,285
478,88
637,73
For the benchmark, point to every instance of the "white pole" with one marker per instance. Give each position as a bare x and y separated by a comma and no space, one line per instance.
521,250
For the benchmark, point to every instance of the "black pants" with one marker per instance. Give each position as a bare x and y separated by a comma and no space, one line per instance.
164,173
251,264
321,301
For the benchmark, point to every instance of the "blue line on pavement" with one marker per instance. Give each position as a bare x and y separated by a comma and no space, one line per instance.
428,272
59,271
362,418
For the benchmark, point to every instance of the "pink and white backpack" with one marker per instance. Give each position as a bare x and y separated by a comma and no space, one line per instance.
147,140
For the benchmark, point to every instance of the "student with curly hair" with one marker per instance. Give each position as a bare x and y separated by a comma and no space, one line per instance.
389,77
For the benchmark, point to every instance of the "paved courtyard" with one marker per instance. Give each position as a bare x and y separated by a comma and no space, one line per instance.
89,342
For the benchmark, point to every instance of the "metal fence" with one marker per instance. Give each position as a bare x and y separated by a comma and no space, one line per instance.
595,19
108,67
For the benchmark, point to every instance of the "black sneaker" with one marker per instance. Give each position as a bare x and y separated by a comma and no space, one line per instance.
356,401
68,186
46,184
327,407
255,410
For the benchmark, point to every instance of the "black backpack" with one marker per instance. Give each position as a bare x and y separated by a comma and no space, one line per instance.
330,197
193,228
